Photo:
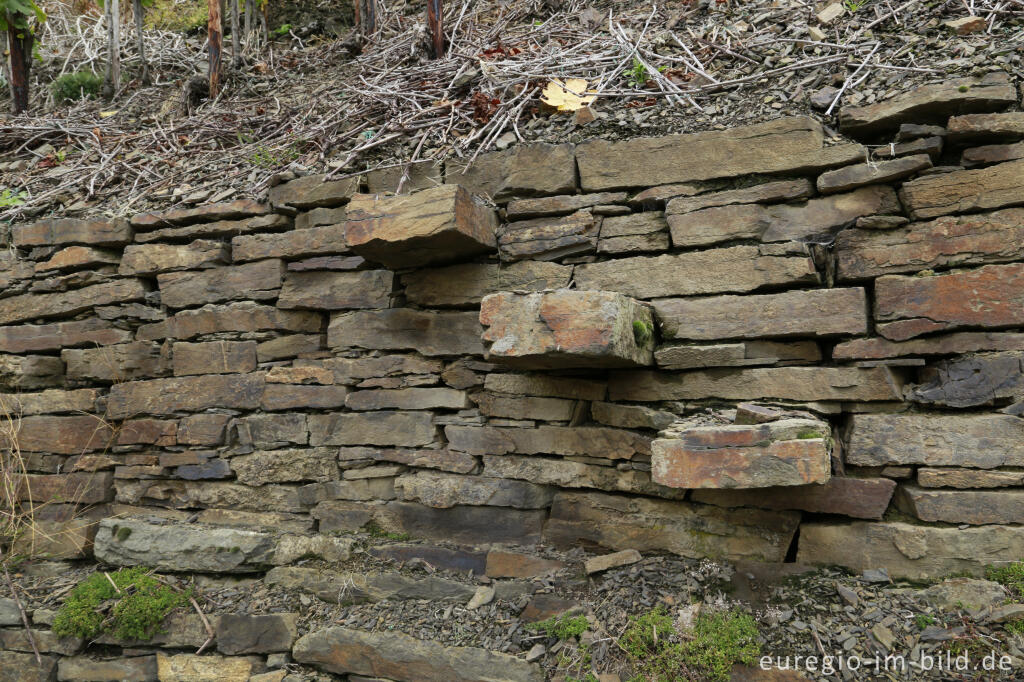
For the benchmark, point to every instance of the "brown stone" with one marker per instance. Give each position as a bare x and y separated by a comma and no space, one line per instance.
23,667
932,146
983,441
766,193
252,281
406,429
151,259
501,564
930,103
30,372
124,669
92,330
968,478
697,531
465,285
975,507
159,432
560,205
61,231
786,383
546,409
546,385
293,396
74,488
787,452
522,171
62,435
243,633
418,175
227,210
598,564
548,238
407,399
320,217
26,307
821,312
246,316
568,473
986,127
285,466
120,362
629,416
430,227
185,394
313,191
947,241
288,346
585,441
443,490
445,460
959,342
325,290
328,239
991,153
78,258
566,328
214,357
52,401
991,296
207,494
851,177
202,429
735,269
634,243
743,354
862,498
971,380
780,222
964,191
220,228
430,333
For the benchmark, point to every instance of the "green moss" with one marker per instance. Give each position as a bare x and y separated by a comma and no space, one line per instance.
378,532
1010,576
964,88
132,608
72,87
643,332
561,627
122,533
808,434
923,620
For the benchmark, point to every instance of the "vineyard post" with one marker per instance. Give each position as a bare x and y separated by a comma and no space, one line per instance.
214,33
434,17
112,12
236,51
19,42
138,11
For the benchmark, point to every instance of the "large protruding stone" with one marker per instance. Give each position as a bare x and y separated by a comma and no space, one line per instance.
438,225
567,328
788,452
975,507
964,191
862,498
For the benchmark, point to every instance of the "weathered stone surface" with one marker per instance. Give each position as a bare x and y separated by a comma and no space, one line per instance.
438,557
634,243
78,258
289,346
214,357
14,269
964,593
434,226
320,217
568,441
295,396
245,316
984,441
991,153
440,490
180,547
929,103
63,435
399,657
227,210
285,466
780,222
567,328
862,498
76,488
947,241
406,429
986,127
313,191
30,372
959,342
17,640
23,667
118,362
975,507
548,238
743,354
545,409
734,269
151,259
362,489
851,177
816,312
185,394
522,171
603,563
968,478
419,175
239,633
514,565
445,460
407,399
790,145
61,231
787,383
971,380
68,303
28,338
908,550
429,333
202,429
328,239
560,205
630,416
546,385
220,228
990,296
124,669
646,525
196,668
573,474
207,494
269,430
252,281
325,290
964,191
788,452
465,285
766,193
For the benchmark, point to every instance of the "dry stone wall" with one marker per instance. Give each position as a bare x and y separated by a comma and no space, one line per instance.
755,343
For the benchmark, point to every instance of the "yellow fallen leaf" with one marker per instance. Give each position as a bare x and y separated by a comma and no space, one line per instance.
568,95
108,114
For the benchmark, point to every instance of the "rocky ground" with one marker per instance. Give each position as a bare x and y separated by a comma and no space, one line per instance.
434,593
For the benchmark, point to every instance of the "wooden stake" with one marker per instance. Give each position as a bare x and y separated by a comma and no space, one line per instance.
434,26
19,42
112,9
214,33
365,15
139,11
236,50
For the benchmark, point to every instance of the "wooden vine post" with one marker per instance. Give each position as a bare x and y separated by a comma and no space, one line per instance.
112,14
434,26
365,14
139,12
214,34
19,41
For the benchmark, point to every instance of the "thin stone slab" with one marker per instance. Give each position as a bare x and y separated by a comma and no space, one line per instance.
861,498
928,477
465,285
975,507
227,210
950,344
766,193
965,191
25,307
851,177
428,332
741,354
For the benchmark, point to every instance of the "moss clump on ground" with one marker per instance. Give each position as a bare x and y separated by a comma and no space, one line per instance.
561,627
1010,576
77,85
133,607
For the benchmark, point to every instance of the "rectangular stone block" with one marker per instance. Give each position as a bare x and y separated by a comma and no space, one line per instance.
313,191
523,171
544,409
964,191
297,396
61,435
407,399
969,380
743,354
214,357
78,488
158,432
329,239
765,193
25,307
252,281
851,177
445,460
862,498
327,290
465,285
986,127
427,332
816,312
119,362
565,473
443,491
785,383
546,385
949,241
983,441
968,478
226,210
30,372
52,401
991,296
391,428
246,316
950,344
62,231
209,494
433,226
151,259
215,230
29,337
548,238
975,507
735,269
559,205
78,258
289,346
287,465
567,328
567,441
185,394
418,175
788,452
618,522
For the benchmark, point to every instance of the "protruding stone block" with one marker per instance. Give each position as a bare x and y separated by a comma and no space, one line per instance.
862,498
788,452
61,231
962,191
313,191
975,507
439,225
567,329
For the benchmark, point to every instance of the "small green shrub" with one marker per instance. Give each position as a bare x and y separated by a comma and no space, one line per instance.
1015,627
923,620
9,197
134,610
561,627
77,85
1010,576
